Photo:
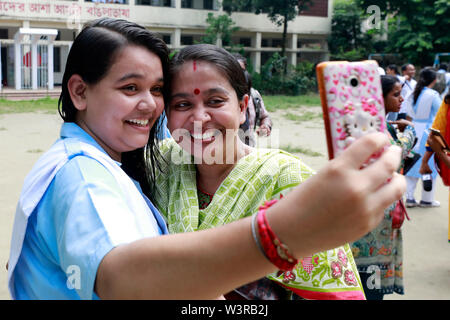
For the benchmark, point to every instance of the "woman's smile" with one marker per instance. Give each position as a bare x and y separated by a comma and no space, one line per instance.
143,125
212,117
122,108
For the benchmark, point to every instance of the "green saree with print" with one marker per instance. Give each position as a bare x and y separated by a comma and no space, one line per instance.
262,175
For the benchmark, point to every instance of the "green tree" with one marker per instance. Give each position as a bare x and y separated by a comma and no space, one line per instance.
219,27
347,41
280,12
417,28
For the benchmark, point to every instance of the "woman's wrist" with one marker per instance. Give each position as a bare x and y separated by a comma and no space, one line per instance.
271,246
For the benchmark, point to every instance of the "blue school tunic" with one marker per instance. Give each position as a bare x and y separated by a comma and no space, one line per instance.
82,215
423,113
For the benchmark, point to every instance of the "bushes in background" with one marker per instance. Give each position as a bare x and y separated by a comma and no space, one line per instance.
297,81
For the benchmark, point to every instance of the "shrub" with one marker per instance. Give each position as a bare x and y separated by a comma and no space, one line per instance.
272,80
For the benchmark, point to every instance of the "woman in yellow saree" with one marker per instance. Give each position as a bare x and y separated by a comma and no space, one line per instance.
442,124
212,178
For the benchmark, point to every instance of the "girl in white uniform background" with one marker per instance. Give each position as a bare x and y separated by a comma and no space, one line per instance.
424,103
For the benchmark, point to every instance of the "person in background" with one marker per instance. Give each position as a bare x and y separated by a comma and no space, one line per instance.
379,254
425,103
392,70
441,123
408,84
409,72
443,68
257,118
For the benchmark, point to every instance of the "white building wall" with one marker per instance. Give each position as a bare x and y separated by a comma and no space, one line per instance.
69,16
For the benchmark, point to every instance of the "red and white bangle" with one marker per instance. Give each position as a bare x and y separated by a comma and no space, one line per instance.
273,249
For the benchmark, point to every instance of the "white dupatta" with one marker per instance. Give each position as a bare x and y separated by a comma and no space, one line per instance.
420,112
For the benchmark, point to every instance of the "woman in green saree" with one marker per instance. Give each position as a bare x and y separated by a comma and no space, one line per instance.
212,178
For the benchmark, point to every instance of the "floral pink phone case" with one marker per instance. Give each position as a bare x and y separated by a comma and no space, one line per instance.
352,102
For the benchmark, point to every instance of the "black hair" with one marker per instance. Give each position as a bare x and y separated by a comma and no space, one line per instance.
92,53
387,83
224,61
443,66
405,66
426,76
248,78
393,67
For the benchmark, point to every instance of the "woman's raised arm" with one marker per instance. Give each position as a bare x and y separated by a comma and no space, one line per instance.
338,205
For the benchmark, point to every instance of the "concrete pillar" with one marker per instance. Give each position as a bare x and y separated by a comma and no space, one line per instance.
1,65
50,66
293,55
17,65
326,55
256,55
34,35
175,38
177,4
34,62
219,40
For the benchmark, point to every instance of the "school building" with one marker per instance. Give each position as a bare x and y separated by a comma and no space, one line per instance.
36,35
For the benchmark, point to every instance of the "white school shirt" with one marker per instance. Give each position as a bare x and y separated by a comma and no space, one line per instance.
407,90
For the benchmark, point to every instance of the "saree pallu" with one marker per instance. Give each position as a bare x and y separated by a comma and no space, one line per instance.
262,175
442,124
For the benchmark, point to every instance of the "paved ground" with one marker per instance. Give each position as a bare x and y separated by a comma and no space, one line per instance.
23,138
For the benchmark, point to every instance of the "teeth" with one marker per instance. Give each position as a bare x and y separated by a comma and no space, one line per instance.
139,122
205,136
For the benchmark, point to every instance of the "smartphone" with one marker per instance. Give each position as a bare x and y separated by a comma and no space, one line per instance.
440,139
352,102
401,116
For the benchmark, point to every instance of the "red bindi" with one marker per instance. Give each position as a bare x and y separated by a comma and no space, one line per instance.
196,91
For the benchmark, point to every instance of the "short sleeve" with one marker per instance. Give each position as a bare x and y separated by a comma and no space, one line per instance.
83,188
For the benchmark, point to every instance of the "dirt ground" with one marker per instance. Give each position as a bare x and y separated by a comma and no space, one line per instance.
23,138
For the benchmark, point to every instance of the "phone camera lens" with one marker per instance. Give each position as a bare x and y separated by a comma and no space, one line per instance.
354,82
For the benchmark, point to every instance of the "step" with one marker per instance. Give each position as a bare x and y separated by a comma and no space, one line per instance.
28,94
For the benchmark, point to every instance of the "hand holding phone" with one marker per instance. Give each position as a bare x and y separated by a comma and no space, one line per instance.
440,139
